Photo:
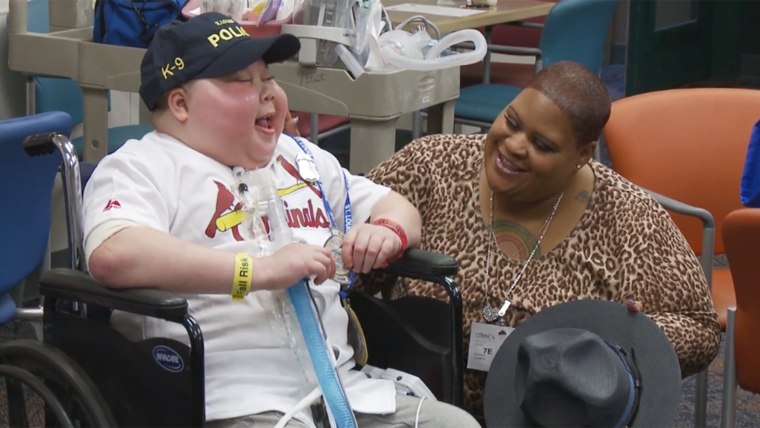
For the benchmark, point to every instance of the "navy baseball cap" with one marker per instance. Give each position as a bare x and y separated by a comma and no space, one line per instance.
208,45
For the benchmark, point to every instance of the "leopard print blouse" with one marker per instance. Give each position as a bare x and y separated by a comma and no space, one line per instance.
625,245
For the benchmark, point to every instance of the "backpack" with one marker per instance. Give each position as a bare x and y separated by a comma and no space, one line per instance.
132,22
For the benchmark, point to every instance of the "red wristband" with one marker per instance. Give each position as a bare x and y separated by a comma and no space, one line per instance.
395,228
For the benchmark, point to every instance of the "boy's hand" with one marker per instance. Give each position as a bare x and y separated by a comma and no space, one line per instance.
295,262
368,246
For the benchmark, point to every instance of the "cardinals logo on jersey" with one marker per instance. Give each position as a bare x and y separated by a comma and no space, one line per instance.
227,214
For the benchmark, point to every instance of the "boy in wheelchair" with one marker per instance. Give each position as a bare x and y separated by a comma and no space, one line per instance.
164,212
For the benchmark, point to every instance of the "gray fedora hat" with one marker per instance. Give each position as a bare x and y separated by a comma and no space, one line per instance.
584,363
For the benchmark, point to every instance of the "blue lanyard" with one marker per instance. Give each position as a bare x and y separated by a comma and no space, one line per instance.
347,217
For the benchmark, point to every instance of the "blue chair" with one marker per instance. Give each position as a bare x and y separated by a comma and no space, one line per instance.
62,94
28,167
25,187
575,30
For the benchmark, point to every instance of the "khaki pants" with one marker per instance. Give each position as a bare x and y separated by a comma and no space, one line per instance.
432,414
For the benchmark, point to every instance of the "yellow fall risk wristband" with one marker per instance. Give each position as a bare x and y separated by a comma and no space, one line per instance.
241,281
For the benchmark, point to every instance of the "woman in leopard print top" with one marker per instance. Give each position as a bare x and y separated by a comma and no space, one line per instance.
486,200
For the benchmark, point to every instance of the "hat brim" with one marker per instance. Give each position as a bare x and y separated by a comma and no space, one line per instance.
655,358
248,50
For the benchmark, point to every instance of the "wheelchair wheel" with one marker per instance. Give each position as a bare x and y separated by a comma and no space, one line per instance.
17,383
48,374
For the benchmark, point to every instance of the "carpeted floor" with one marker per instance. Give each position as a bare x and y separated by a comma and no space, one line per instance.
748,404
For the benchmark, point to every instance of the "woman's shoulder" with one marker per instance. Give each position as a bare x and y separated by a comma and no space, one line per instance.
613,185
439,152
620,198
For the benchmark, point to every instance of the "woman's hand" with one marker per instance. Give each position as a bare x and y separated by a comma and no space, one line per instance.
634,305
368,246
291,125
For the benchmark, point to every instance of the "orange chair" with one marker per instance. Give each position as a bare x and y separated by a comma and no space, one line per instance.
688,145
741,237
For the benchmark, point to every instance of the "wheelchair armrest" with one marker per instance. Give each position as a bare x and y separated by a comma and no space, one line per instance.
428,266
65,283
421,264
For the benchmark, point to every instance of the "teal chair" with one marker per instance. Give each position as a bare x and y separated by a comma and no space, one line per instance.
575,30
62,94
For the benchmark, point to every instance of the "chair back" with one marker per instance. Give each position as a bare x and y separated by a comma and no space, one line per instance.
26,184
741,235
686,144
53,93
576,30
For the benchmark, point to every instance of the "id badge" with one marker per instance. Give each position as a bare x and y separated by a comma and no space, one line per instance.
485,340
356,336
307,168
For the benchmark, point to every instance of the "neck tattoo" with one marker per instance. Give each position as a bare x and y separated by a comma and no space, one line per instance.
491,313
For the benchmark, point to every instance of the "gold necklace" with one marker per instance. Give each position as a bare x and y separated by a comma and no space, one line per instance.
491,313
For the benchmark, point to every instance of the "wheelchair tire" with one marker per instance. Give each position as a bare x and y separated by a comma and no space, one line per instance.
76,393
18,416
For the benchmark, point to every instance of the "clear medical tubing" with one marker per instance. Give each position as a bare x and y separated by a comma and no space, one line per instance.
432,61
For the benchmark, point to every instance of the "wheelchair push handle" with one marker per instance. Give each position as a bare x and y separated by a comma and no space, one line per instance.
40,144
46,143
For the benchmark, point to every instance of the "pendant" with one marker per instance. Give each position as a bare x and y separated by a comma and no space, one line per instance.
307,168
503,309
335,244
490,314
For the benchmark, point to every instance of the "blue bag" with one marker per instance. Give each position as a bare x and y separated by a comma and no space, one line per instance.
750,186
132,22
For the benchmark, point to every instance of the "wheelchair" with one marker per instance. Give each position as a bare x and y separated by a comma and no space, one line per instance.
87,374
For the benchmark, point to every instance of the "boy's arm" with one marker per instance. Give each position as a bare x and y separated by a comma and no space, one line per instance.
396,208
142,257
